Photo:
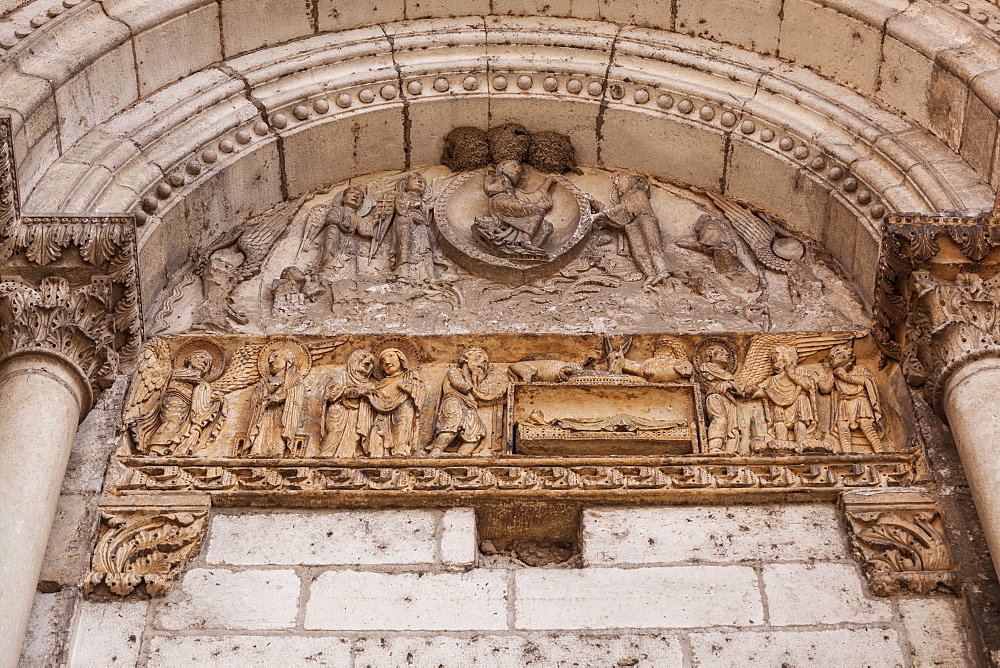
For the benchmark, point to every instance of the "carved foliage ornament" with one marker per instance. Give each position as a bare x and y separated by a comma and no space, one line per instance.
899,537
139,545
68,284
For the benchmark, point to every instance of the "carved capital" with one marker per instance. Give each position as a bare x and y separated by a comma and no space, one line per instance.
144,542
935,299
898,536
68,284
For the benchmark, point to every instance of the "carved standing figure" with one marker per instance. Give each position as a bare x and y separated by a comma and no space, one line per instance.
347,417
275,406
633,214
725,423
789,396
168,406
855,398
407,210
467,387
396,400
343,229
516,225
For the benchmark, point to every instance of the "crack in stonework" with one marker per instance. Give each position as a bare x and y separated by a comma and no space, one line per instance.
599,122
407,121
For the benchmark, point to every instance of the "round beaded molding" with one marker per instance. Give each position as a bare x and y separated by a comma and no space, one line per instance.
690,108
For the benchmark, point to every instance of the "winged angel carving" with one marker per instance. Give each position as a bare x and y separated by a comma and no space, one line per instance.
177,401
771,372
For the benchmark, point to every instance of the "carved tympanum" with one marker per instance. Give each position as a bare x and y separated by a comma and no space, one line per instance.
899,537
508,237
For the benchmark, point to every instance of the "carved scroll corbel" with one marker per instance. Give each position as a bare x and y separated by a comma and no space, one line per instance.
899,538
145,542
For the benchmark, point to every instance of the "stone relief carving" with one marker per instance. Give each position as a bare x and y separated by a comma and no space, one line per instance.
70,286
229,412
899,537
143,543
516,238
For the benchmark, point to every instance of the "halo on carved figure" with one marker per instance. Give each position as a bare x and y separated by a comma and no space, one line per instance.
464,200
366,206
400,343
302,355
701,353
210,347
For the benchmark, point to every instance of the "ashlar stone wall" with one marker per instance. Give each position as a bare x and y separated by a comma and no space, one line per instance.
665,586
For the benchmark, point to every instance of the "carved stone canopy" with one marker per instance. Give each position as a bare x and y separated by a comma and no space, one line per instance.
69,285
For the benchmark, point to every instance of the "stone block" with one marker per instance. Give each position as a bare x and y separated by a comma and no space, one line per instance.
775,183
361,601
458,537
534,7
695,154
47,628
934,630
802,594
71,540
610,598
424,9
252,24
714,534
104,88
243,651
831,43
336,15
159,60
106,633
904,70
489,651
322,538
751,25
873,648
649,13
222,599
946,100
979,136
320,154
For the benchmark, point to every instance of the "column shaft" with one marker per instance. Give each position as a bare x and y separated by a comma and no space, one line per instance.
971,403
41,402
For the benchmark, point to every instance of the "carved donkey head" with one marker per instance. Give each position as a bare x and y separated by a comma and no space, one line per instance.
616,356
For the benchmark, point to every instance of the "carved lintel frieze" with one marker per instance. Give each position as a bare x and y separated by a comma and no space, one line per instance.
936,296
69,285
899,537
144,542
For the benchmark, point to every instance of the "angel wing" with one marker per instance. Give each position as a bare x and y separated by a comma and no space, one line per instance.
672,346
315,220
757,234
319,348
242,371
151,376
757,362
385,209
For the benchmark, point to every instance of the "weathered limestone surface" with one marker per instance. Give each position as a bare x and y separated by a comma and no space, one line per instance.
712,534
785,604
